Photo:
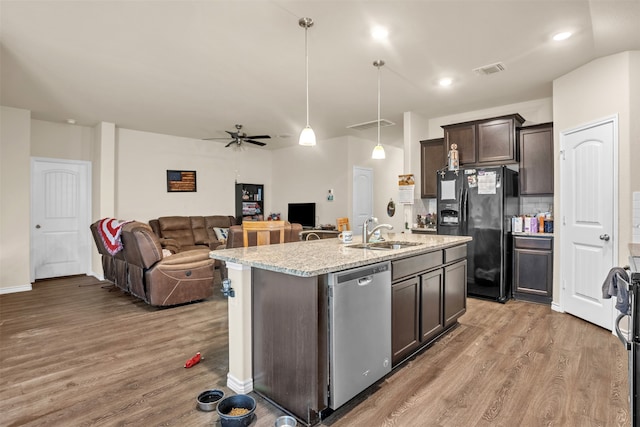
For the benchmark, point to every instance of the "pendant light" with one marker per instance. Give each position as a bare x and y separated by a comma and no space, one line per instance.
307,136
378,150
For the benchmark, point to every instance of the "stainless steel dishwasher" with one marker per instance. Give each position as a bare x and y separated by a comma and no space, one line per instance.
359,330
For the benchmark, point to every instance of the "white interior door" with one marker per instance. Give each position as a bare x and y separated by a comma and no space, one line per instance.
362,197
60,206
589,212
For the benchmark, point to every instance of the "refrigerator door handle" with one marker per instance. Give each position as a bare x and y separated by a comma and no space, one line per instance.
465,196
619,333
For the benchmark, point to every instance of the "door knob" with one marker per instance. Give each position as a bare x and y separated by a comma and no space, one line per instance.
604,237
37,225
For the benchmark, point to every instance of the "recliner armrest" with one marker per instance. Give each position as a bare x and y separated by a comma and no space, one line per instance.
187,257
170,244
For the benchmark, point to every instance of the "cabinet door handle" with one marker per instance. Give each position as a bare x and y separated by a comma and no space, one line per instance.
604,237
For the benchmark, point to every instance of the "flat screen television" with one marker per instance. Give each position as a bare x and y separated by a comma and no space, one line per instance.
303,214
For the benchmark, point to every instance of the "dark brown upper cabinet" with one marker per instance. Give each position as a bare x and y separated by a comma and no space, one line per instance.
536,159
485,142
432,158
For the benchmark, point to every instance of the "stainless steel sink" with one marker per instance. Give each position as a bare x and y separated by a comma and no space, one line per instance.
384,246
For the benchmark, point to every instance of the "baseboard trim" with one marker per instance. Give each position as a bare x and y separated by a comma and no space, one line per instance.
240,387
15,289
97,276
556,307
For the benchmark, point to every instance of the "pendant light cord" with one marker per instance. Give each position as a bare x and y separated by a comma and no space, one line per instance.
306,68
378,104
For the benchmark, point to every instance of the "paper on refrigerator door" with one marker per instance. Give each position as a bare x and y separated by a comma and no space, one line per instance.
487,183
448,190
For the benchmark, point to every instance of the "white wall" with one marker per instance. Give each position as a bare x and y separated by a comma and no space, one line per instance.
61,141
15,186
599,89
385,179
143,159
305,174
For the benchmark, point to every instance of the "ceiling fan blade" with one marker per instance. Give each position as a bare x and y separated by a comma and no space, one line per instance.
234,135
255,142
234,141
258,137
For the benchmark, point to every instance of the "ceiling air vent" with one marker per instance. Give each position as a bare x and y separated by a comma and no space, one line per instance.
371,124
490,69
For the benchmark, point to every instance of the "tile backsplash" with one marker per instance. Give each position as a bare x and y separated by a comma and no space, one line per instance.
536,205
636,217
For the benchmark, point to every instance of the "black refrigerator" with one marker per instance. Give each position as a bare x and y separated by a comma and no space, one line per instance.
480,202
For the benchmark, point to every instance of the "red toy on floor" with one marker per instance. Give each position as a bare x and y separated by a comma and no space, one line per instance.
193,361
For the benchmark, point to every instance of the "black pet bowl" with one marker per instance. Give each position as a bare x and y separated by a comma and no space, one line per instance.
241,401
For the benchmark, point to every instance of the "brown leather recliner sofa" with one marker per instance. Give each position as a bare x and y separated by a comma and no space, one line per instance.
114,267
164,281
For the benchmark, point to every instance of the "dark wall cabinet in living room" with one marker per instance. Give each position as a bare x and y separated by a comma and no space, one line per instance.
536,159
533,268
432,158
485,142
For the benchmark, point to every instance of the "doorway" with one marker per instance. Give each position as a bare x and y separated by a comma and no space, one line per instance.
60,216
362,197
589,193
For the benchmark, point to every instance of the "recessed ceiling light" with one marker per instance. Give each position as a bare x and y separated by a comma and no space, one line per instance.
379,33
445,81
562,36
71,121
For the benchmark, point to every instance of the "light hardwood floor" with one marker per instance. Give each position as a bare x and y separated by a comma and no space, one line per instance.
73,353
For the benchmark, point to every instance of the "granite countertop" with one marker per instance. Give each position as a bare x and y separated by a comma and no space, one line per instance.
314,257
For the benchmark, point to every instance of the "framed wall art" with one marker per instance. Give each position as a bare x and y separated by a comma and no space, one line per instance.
181,181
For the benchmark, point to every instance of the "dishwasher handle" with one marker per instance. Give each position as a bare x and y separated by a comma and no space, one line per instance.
364,281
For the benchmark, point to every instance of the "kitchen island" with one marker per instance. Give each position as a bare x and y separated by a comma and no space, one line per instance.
278,316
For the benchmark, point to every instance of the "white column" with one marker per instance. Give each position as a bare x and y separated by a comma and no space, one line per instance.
240,376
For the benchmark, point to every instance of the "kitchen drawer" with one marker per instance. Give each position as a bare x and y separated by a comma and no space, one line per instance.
455,253
415,264
540,243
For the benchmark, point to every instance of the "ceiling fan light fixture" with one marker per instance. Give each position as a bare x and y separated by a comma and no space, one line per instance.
307,136
378,150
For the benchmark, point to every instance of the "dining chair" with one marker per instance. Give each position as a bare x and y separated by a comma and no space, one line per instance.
342,224
263,231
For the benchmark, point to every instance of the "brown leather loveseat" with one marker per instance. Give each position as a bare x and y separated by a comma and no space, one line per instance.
164,280
183,233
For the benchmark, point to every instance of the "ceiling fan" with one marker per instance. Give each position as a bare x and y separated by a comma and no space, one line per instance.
238,137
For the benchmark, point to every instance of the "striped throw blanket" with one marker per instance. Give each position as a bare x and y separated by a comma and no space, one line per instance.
110,229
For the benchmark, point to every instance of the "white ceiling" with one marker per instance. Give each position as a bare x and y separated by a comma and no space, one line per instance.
196,68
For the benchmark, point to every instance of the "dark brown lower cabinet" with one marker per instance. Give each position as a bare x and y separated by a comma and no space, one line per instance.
405,317
533,268
431,284
455,292
426,302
